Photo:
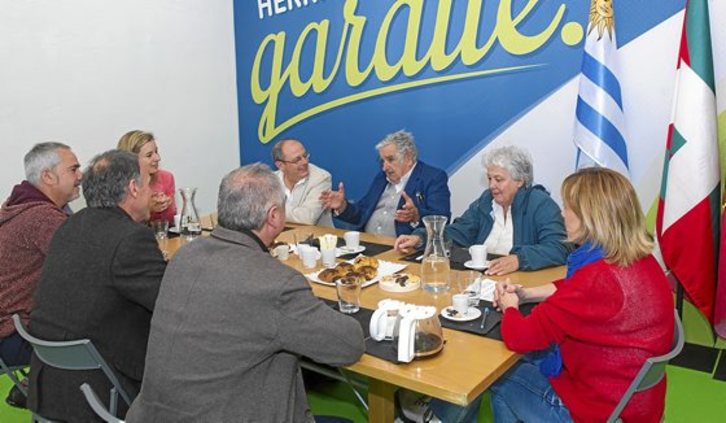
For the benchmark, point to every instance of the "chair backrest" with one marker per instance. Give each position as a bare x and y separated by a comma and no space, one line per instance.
652,371
97,406
73,355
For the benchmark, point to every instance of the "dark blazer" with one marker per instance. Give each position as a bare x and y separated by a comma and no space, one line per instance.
428,188
99,281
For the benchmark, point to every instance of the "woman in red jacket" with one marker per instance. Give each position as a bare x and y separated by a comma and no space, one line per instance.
612,312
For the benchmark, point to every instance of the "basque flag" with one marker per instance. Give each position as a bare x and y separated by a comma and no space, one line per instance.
600,133
687,223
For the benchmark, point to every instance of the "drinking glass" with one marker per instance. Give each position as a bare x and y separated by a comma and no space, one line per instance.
348,295
470,284
160,228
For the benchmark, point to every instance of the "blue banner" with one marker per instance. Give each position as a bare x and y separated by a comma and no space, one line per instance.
341,74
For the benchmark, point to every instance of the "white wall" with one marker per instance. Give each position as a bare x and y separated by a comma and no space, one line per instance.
84,72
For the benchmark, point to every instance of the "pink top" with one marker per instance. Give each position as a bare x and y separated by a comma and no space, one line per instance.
164,182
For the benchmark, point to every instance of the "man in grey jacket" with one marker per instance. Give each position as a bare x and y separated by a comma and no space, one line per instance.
231,322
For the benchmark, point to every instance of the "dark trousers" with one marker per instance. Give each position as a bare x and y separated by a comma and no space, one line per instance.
15,351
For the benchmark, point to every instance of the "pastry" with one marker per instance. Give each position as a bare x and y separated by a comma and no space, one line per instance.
400,282
345,267
368,272
329,275
365,261
353,277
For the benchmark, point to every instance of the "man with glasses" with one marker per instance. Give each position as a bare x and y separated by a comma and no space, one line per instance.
405,191
303,183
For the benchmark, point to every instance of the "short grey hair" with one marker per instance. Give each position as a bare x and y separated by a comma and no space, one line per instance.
245,196
106,180
404,144
277,149
41,157
514,160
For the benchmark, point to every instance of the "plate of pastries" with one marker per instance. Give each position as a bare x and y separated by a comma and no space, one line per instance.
400,282
362,269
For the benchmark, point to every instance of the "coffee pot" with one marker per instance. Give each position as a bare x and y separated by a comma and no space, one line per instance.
419,333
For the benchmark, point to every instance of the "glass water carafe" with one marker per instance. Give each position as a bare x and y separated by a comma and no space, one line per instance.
435,263
190,225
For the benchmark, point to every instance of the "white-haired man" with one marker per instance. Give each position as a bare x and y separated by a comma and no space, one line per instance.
405,191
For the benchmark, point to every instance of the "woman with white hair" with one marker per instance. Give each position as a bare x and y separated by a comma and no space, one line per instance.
513,218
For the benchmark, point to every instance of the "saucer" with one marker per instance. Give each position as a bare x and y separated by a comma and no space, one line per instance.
471,314
344,251
470,265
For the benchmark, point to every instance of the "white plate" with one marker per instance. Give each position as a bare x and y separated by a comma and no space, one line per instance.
470,265
384,268
344,251
471,314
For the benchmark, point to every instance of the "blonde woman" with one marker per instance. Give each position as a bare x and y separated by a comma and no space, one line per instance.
612,312
143,144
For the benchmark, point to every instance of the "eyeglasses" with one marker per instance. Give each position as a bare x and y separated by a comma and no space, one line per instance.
298,159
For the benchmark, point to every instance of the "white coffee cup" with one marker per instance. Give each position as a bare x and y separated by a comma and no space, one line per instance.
328,257
177,221
460,303
282,252
478,255
308,255
352,240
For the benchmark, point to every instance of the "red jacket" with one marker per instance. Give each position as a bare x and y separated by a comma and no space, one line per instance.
28,220
607,320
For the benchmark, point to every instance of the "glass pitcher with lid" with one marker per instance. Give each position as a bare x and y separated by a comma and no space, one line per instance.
435,265
190,225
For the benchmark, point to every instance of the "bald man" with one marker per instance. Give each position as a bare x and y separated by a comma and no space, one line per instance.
303,183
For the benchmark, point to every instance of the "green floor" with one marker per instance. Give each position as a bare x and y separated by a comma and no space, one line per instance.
692,397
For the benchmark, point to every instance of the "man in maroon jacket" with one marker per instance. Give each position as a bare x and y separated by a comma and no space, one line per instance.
28,219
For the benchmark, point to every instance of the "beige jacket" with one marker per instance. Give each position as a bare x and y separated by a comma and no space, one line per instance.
307,208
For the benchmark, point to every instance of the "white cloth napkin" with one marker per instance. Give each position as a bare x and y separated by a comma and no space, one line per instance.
485,287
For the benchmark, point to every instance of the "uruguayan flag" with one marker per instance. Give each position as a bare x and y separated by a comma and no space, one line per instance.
600,134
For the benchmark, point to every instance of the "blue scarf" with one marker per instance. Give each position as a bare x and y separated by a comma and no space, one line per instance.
551,364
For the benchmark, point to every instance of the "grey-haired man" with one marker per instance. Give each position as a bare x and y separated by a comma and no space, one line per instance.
28,219
232,322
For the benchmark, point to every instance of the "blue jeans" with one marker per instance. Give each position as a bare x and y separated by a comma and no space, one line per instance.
524,394
452,413
516,396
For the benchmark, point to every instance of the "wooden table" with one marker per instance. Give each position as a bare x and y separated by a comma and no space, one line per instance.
466,366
